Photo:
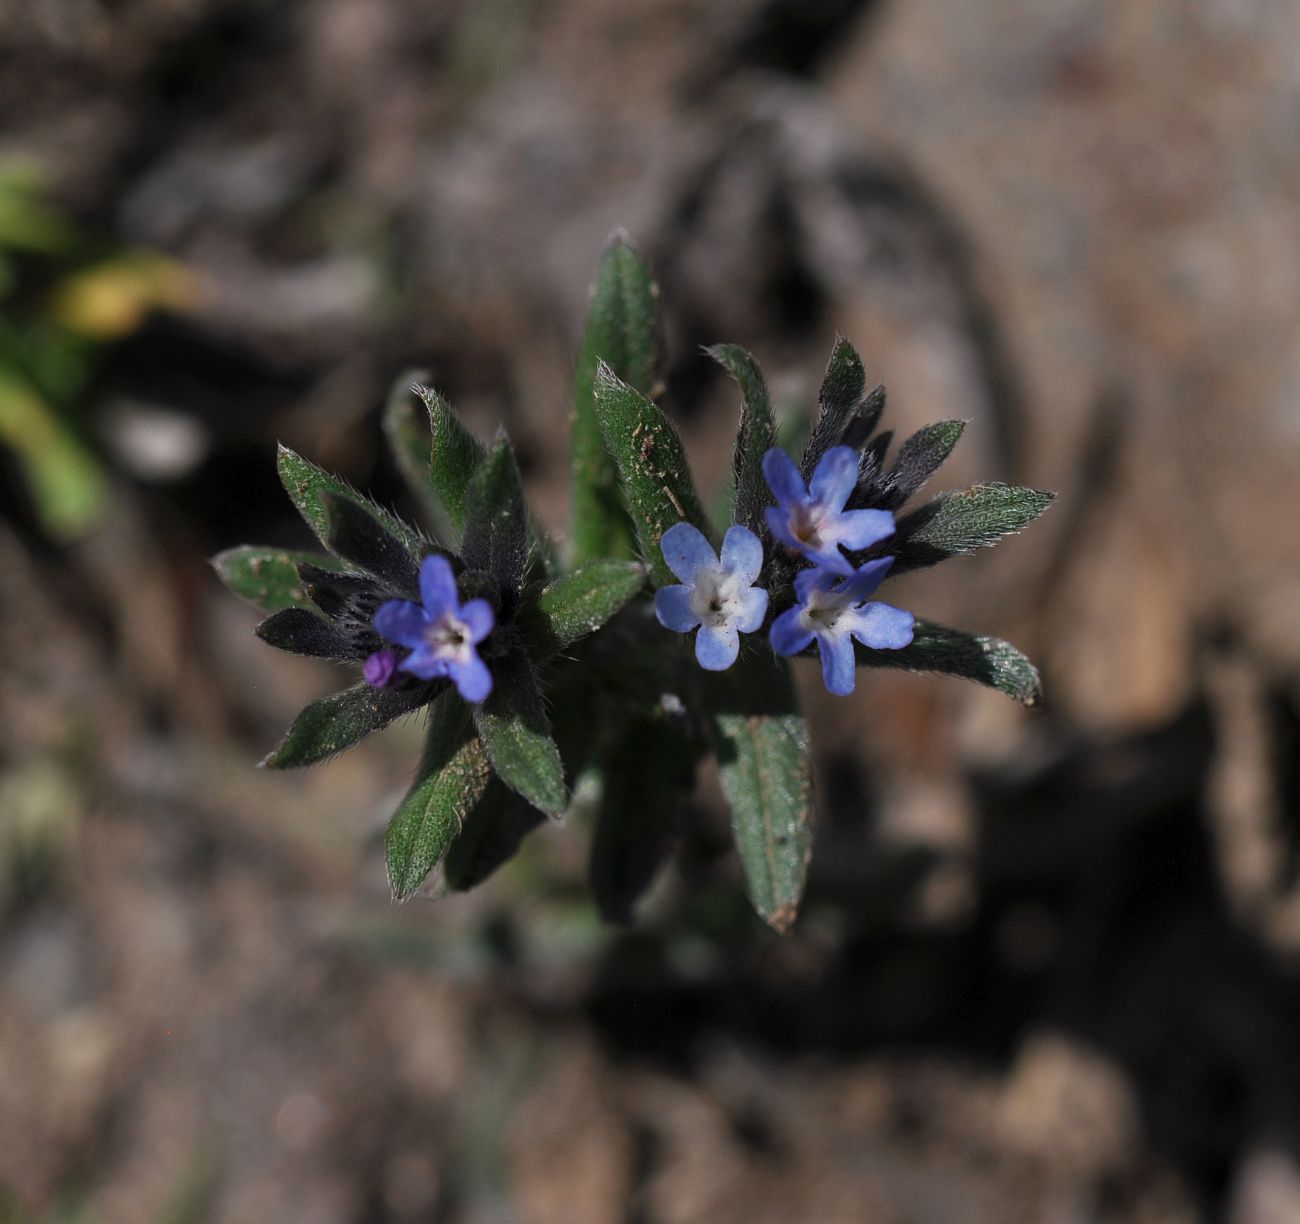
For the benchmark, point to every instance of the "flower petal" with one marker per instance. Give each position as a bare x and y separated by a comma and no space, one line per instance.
742,553
830,560
778,523
379,668
673,609
401,621
753,607
868,577
472,678
685,549
882,626
477,617
838,667
783,478
835,476
817,580
862,528
437,586
788,634
716,647
424,663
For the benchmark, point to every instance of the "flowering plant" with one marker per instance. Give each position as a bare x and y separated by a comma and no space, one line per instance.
546,672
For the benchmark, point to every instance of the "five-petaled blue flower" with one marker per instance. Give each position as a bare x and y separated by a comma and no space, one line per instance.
834,610
812,520
440,632
717,595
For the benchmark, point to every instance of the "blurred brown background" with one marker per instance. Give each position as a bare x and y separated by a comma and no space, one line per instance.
1047,967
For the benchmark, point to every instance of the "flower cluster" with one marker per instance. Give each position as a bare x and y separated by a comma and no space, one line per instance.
717,593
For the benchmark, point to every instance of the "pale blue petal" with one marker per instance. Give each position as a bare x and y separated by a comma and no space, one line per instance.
862,528
401,621
478,619
716,647
753,607
686,550
869,576
437,586
673,609
742,553
839,669
788,635
882,626
818,580
783,478
472,678
424,663
835,476
778,522
830,560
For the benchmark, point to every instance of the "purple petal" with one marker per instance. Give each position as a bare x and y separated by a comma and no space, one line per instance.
806,582
835,477
716,647
753,607
788,634
401,621
673,609
472,678
424,663
869,576
685,549
783,478
830,560
778,522
838,667
437,586
478,619
883,627
379,668
742,553
863,528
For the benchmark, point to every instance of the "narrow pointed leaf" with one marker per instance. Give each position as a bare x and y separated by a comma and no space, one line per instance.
496,521
579,603
407,429
623,332
268,577
356,535
652,467
308,485
303,632
513,725
950,652
956,523
454,456
918,459
328,726
490,836
840,396
755,437
452,777
761,742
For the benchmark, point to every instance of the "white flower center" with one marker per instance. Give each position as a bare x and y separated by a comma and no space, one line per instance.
449,637
806,524
715,598
823,610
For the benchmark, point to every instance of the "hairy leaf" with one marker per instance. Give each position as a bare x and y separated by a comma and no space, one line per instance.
623,332
358,536
328,726
268,577
300,631
651,467
489,837
579,603
514,728
407,430
496,521
918,459
452,777
950,652
956,523
755,437
838,403
454,456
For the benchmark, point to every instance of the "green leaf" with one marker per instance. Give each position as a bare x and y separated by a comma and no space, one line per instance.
409,440
452,777
328,726
579,603
956,523
651,467
839,401
304,631
308,485
357,535
496,520
950,652
761,742
623,332
514,728
268,577
918,459
455,455
755,437
489,837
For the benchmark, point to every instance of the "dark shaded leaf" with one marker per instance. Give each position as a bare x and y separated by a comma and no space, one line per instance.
454,456
838,401
755,437
267,577
956,523
496,522
300,631
514,728
452,777
489,837
407,429
950,652
579,603
328,726
623,332
918,459
652,467
337,593
360,537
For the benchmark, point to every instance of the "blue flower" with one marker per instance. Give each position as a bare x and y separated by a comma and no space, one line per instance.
440,633
834,611
812,521
717,595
